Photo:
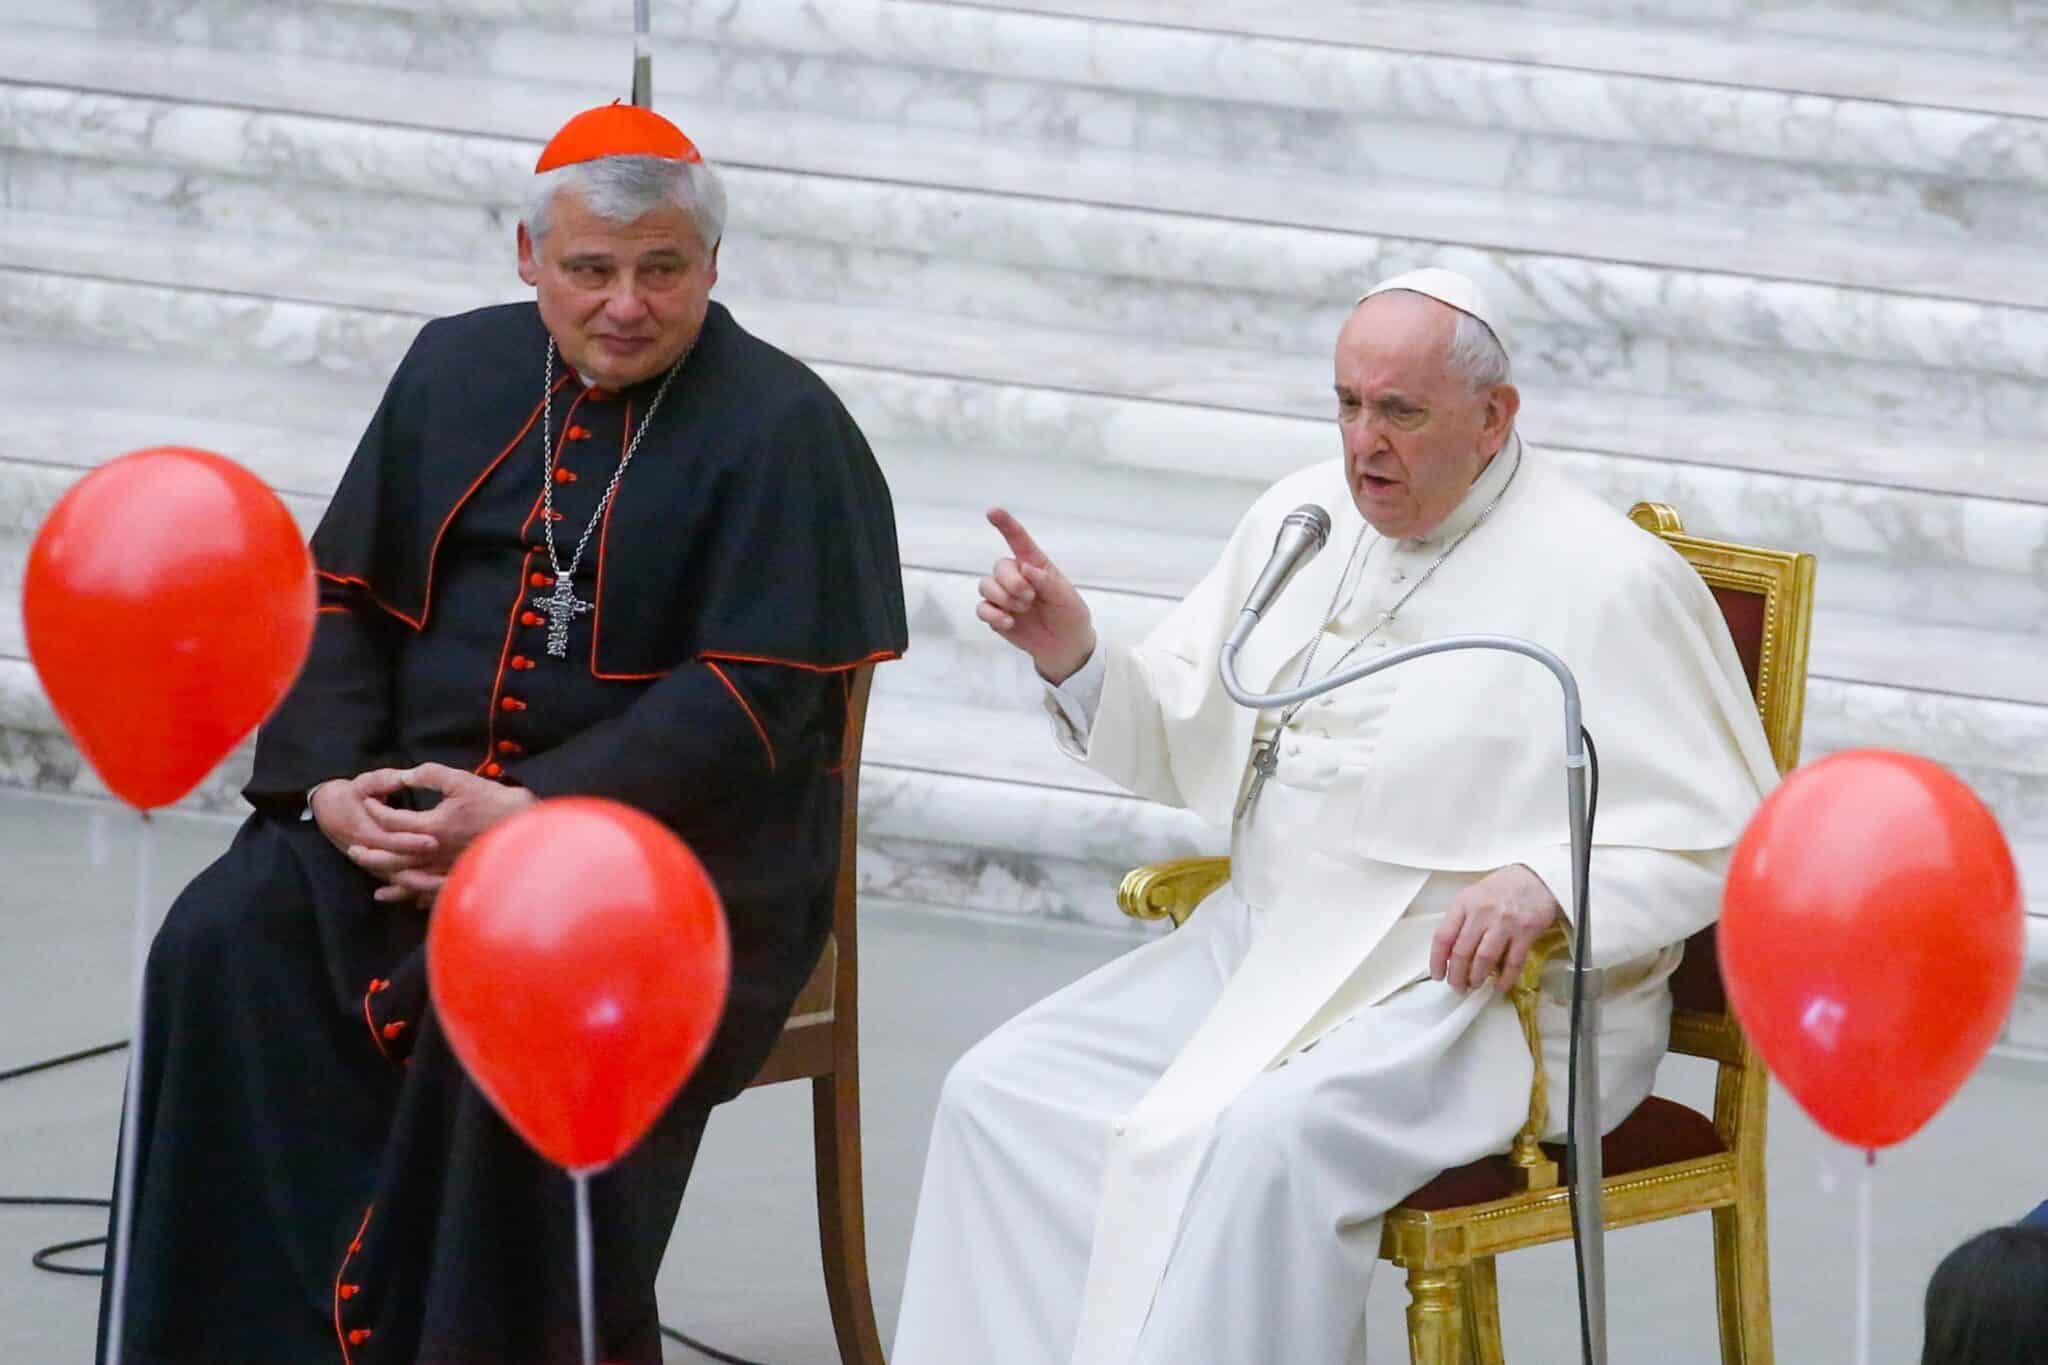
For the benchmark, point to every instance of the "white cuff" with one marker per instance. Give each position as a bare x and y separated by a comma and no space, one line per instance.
1073,703
306,813
1553,867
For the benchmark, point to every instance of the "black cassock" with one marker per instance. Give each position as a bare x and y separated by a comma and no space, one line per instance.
319,1180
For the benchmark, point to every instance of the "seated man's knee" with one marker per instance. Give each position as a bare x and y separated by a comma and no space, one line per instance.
972,1079
1273,1123
988,1075
223,906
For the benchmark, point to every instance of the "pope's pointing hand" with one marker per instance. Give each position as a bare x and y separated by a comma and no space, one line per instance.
1030,603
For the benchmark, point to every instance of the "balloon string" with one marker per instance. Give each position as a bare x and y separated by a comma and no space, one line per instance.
1863,1220
131,1109
584,1276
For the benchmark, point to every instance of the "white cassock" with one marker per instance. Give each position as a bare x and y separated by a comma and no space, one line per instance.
1185,1155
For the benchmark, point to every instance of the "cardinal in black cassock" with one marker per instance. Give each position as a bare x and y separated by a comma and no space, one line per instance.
611,545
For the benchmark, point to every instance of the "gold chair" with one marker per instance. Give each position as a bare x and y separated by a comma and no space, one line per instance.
1665,1159
821,1043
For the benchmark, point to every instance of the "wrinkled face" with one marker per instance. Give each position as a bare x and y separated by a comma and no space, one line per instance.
621,300
1415,433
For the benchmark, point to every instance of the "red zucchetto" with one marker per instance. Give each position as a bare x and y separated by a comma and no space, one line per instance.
616,129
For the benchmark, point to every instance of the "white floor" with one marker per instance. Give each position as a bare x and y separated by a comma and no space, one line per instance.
743,1272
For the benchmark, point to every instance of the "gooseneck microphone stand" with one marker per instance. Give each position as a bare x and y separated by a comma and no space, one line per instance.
643,54
1587,1202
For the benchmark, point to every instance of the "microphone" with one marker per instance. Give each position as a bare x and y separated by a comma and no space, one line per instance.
1303,532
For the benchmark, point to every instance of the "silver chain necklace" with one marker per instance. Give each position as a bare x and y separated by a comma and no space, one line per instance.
562,605
1265,759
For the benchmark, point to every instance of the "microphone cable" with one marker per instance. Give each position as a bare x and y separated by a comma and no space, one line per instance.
45,1258
1584,876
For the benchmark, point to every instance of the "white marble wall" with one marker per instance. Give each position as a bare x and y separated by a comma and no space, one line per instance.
1784,266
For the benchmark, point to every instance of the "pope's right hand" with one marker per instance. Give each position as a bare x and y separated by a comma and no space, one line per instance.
1030,603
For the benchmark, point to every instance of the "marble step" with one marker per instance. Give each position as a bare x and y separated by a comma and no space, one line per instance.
1122,404
1909,584
1177,91
1201,413
1805,361
1082,514
1962,62
1999,28
1738,278
1836,108
1022,404
347,314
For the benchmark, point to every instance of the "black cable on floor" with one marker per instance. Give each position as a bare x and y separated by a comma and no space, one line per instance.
701,1349
52,1063
45,1258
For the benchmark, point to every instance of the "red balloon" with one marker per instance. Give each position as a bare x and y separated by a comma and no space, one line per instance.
1871,939
578,962
169,605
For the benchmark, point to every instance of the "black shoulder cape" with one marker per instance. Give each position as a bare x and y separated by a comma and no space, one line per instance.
752,458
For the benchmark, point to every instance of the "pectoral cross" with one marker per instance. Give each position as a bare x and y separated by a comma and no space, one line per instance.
562,606
1265,762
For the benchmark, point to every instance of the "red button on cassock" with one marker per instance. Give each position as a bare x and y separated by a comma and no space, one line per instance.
394,1028
538,580
494,770
359,1336
579,433
506,746
349,1291
565,475
529,618
521,662
511,704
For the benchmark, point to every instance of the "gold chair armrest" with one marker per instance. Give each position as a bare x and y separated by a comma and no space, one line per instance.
1527,1154
1171,890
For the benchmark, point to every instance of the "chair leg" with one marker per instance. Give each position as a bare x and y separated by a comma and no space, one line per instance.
1437,1317
1482,1312
1742,1281
842,1219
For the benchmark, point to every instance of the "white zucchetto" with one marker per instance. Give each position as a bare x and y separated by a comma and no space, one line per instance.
1446,287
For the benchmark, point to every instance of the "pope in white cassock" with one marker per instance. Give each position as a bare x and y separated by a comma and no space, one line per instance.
1185,1156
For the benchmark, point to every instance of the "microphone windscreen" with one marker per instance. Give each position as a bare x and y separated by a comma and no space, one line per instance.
1311,518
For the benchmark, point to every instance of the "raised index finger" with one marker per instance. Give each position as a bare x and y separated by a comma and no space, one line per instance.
1021,544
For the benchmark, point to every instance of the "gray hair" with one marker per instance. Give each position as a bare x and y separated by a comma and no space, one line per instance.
1476,354
620,189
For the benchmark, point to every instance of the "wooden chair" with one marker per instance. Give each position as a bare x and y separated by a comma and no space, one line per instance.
821,1043
1665,1159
